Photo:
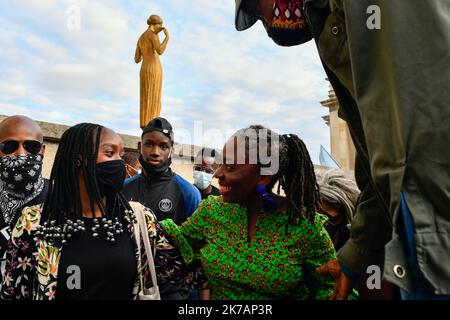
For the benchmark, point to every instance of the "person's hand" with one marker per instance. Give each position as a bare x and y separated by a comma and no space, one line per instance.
343,286
205,294
166,33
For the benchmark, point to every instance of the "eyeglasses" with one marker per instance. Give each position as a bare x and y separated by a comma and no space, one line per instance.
207,170
10,146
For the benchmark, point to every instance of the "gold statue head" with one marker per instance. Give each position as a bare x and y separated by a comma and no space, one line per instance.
155,22
154,19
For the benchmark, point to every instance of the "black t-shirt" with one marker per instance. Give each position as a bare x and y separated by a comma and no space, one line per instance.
214,192
107,271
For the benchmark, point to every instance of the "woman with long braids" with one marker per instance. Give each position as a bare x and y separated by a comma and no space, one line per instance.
253,243
80,243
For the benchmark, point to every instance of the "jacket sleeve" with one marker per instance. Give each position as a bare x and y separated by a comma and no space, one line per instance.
191,195
371,228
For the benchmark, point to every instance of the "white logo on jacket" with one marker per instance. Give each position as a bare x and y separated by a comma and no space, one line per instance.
165,205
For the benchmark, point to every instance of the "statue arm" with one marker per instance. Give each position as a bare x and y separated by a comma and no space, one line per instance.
138,54
162,47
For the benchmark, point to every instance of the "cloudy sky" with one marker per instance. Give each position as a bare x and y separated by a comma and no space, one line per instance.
216,80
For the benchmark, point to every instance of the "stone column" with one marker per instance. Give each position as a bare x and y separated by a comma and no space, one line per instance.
342,148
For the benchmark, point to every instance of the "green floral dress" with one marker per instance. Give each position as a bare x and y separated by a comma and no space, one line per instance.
274,265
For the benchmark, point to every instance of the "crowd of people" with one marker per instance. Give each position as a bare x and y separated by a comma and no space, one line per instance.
244,241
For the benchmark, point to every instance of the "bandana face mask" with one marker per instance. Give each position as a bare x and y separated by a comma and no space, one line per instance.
20,174
20,182
288,26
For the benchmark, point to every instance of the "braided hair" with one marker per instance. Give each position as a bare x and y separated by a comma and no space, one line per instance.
295,174
77,153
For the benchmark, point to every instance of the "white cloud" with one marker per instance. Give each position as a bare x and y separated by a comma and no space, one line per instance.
45,47
12,91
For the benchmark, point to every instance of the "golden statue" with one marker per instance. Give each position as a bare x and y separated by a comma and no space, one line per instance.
149,49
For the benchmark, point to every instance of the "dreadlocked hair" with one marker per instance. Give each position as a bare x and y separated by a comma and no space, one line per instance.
77,153
295,174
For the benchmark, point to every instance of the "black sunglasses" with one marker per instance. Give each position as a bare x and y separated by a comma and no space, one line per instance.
10,146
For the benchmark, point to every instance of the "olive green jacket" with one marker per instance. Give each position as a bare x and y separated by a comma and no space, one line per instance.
393,85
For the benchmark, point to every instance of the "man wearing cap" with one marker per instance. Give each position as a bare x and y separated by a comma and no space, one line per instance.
388,62
158,188
167,194
21,182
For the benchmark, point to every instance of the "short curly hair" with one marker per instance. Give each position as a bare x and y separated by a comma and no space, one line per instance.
338,191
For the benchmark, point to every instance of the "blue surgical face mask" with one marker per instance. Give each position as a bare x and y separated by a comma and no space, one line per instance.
134,169
202,180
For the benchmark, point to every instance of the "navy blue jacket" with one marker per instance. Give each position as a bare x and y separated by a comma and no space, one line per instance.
168,195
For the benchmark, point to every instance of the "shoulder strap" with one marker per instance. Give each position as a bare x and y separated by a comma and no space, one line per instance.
137,238
142,228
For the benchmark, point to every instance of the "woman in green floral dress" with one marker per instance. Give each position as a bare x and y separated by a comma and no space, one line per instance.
253,243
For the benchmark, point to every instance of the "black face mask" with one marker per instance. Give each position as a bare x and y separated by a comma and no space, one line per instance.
154,170
288,37
110,177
